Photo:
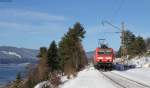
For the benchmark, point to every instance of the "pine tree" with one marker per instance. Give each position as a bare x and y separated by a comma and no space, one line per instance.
71,51
77,34
18,78
53,58
40,72
138,47
43,68
17,82
42,53
129,39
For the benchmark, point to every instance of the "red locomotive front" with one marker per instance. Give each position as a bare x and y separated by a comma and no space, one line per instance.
104,55
103,58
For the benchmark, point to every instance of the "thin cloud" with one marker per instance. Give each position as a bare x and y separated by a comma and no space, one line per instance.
28,15
20,27
20,20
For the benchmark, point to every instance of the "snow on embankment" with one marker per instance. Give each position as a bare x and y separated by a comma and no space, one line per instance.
88,78
138,74
143,61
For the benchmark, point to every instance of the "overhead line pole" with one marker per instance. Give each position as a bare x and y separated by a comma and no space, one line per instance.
122,31
123,47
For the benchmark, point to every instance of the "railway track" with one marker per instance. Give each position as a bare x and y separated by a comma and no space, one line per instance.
123,82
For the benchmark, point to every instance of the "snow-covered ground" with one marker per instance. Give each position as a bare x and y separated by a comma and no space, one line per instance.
143,61
88,78
142,71
92,78
141,75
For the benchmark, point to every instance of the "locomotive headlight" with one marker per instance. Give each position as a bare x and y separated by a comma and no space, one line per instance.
108,57
100,58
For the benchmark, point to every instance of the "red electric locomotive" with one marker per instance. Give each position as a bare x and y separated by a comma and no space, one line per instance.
103,58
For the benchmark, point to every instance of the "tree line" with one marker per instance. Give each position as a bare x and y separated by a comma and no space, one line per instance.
65,58
134,45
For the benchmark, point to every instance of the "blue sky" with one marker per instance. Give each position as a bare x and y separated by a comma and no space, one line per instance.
35,23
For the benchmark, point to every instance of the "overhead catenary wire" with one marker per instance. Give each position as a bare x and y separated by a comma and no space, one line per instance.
116,12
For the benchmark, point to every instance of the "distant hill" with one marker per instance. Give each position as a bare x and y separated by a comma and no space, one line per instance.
9,55
90,55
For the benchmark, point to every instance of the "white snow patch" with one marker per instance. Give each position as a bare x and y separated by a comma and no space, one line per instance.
88,78
143,61
11,53
139,74
140,61
42,84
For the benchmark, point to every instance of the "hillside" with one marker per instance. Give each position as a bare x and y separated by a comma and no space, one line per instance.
9,55
90,55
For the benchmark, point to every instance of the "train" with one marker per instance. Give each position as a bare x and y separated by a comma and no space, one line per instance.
103,58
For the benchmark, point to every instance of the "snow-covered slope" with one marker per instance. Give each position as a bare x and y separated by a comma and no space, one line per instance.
143,61
42,84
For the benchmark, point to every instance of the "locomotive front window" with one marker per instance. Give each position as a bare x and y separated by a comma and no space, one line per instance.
101,52
104,52
108,52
